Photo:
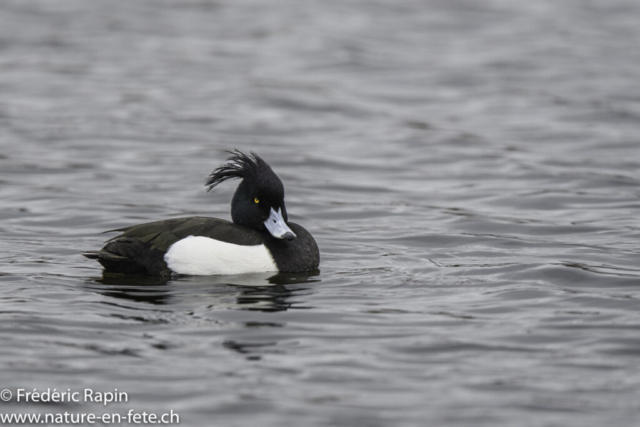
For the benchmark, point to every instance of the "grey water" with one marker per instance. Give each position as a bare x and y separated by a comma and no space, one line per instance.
469,169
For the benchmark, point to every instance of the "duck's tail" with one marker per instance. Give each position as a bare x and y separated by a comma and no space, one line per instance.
129,256
91,254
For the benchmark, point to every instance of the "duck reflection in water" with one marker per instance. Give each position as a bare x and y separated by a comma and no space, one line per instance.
254,291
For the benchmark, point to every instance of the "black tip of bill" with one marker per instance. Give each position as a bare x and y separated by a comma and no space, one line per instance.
289,236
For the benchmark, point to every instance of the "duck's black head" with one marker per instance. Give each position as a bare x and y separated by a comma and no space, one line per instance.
259,200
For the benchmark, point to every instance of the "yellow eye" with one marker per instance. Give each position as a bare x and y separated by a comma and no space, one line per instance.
256,200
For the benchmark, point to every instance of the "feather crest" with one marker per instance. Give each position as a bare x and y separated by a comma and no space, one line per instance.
239,165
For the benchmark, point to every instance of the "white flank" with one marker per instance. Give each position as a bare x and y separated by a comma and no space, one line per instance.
202,256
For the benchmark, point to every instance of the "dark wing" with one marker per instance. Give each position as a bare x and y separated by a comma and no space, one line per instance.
140,248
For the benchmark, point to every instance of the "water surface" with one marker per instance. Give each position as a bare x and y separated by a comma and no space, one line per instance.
469,169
